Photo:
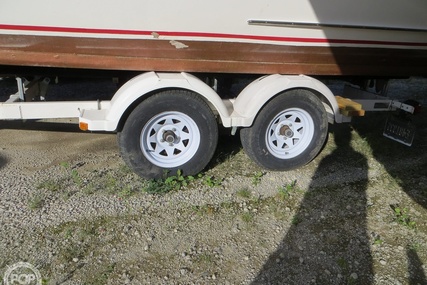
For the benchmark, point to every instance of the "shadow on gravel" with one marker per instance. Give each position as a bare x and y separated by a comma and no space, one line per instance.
415,268
3,161
328,241
408,166
228,147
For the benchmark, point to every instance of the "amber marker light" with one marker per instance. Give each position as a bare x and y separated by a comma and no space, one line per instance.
83,126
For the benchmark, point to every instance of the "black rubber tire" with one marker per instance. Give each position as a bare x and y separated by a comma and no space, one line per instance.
254,138
183,102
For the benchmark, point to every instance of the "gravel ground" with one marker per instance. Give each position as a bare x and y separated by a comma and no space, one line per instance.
355,215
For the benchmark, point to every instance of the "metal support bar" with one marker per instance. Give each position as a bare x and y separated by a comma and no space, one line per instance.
48,110
373,102
29,90
403,106
21,90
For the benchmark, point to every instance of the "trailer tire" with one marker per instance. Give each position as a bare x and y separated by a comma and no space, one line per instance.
288,132
171,131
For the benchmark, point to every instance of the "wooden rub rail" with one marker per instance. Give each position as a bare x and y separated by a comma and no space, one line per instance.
349,108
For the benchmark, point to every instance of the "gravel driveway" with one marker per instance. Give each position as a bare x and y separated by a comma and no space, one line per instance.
355,215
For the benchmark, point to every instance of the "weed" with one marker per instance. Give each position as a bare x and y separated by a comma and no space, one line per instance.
68,232
244,193
256,178
49,185
111,184
125,169
256,201
296,220
414,246
67,194
177,181
100,276
343,264
64,164
378,241
72,251
205,258
35,202
402,217
89,189
278,211
126,192
247,217
212,182
75,176
228,205
171,183
285,190
205,209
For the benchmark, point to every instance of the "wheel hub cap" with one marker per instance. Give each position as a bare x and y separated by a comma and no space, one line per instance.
289,133
169,136
286,131
170,139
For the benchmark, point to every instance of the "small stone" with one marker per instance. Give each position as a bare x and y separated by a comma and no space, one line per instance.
213,277
327,272
301,260
354,276
383,262
246,258
75,259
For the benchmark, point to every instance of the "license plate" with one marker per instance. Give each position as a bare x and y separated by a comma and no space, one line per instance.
399,130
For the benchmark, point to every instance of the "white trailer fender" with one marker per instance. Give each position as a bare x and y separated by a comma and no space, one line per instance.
148,82
255,96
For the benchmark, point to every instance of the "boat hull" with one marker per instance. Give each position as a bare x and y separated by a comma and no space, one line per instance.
273,37
212,57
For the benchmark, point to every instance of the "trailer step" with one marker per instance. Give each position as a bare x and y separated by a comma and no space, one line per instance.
349,107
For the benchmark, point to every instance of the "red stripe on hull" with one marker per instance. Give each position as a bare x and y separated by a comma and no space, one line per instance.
208,35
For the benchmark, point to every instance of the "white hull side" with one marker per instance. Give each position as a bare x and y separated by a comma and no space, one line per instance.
224,20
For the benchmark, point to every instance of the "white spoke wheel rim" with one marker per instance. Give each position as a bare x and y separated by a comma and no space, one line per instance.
289,133
170,139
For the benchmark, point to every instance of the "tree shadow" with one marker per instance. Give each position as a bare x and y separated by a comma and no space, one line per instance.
328,241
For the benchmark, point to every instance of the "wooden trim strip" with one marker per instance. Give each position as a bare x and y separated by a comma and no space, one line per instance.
205,56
